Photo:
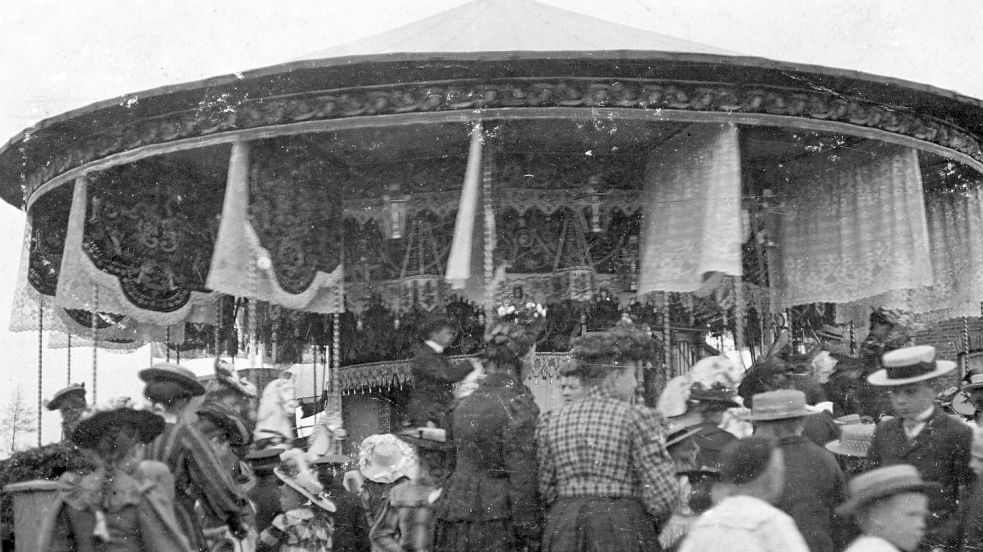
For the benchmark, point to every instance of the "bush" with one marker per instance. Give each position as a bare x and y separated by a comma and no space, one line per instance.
47,462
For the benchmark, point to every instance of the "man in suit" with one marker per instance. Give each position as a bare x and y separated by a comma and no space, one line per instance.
433,376
924,436
814,484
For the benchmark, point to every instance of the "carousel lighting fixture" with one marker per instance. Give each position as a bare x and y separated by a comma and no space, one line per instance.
396,205
595,203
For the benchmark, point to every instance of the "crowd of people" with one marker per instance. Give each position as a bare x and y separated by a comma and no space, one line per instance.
823,452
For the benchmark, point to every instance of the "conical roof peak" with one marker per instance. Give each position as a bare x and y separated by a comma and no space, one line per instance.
512,25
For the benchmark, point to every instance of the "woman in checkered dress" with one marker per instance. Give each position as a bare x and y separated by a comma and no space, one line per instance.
604,471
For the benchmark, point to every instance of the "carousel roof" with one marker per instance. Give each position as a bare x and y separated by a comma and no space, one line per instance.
512,25
141,205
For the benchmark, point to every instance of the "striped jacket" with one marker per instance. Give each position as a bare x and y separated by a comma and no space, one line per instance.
198,475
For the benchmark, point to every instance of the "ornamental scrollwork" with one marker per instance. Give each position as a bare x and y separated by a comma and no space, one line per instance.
209,117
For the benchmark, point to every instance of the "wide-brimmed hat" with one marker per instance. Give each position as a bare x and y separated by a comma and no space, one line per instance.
778,405
910,365
848,419
384,458
831,332
225,374
264,459
975,382
855,440
73,390
882,483
228,420
293,471
677,433
118,411
432,438
724,397
174,373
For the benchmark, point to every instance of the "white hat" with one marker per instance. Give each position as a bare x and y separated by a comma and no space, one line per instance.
910,365
384,458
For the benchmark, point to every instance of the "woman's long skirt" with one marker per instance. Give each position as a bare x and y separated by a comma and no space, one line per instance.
598,524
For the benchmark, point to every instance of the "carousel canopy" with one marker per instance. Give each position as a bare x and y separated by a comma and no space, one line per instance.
343,184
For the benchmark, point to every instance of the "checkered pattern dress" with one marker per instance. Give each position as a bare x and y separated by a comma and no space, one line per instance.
605,473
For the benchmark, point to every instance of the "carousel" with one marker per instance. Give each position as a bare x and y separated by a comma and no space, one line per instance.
316,212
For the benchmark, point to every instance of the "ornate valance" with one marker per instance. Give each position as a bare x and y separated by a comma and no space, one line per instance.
280,238
382,376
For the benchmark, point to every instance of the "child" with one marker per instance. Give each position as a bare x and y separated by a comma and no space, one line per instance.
304,525
407,521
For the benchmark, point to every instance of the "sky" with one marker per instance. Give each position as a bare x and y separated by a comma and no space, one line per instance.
57,55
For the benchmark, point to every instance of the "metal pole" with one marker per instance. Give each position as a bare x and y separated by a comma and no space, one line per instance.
40,362
95,341
68,371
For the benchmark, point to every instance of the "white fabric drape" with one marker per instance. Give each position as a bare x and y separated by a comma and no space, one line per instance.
691,218
459,260
852,226
955,227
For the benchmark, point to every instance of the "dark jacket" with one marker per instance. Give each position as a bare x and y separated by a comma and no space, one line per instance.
821,428
814,487
351,530
495,476
941,454
712,440
433,387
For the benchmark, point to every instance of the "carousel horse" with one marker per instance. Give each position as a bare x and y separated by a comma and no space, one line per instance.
277,408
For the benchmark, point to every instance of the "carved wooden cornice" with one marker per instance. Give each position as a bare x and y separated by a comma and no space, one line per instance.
216,118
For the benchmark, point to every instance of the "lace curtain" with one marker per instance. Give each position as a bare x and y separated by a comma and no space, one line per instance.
955,228
280,235
852,226
691,220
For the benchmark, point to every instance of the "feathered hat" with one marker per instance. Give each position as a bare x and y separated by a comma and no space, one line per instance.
294,471
515,331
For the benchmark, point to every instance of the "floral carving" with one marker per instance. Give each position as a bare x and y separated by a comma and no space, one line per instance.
152,225
223,113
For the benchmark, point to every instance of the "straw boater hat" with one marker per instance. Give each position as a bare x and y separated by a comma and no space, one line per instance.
339,459
910,365
228,420
723,397
882,483
975,382
293,471
73,390
778,405
384,458
848,419
173,373
855,440
118,411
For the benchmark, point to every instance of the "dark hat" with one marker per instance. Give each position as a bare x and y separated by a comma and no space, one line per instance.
910,365
119,411
73,390
228,420
882,483
265,459
677,433
432,438
744,460
184,378
339,459
724,397
435,323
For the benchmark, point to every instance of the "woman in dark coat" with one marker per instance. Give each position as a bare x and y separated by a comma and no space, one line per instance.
490,502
